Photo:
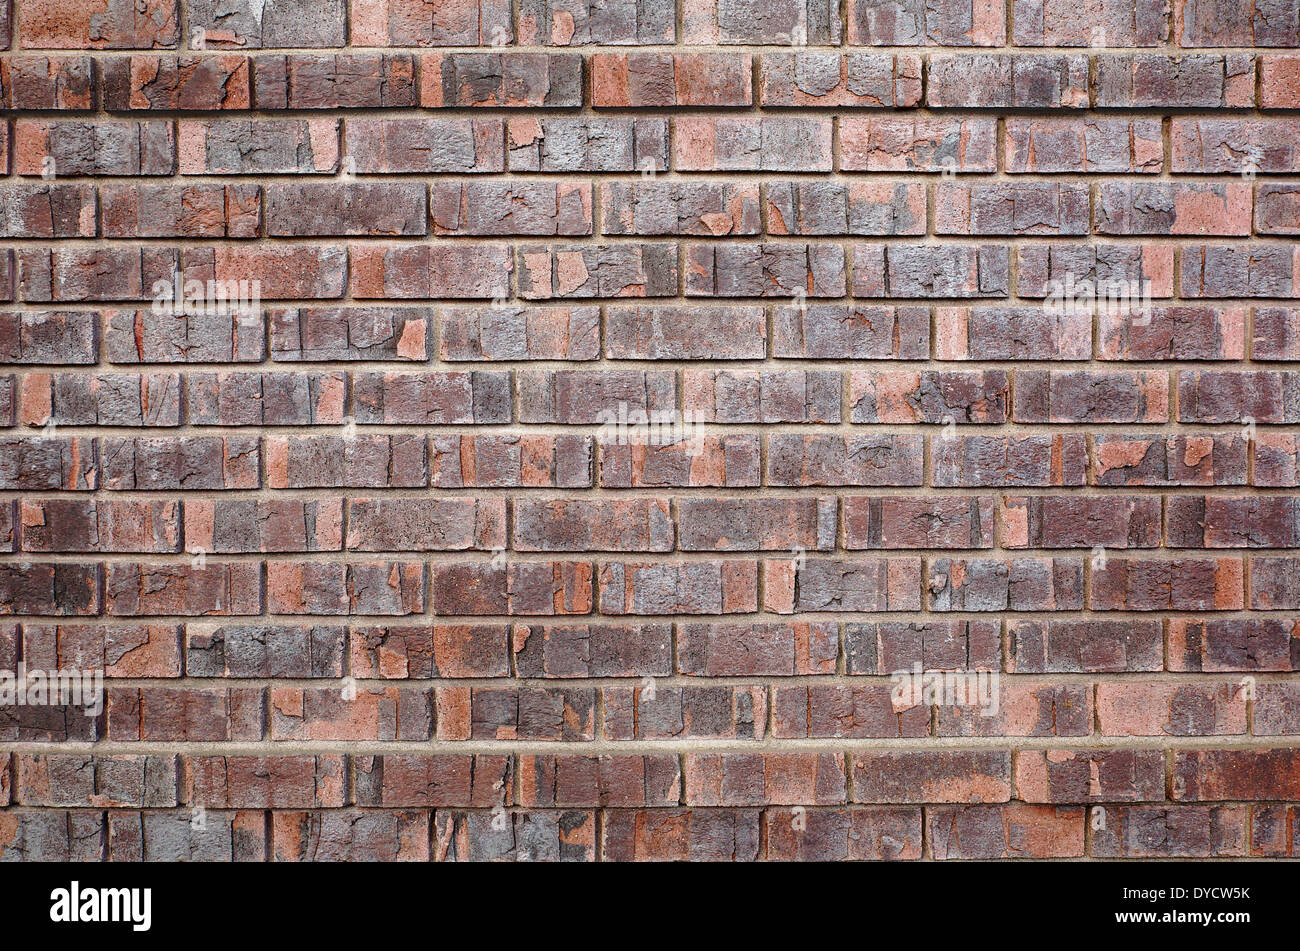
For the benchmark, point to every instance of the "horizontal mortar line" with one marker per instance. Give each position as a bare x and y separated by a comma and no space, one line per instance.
763,681
641,747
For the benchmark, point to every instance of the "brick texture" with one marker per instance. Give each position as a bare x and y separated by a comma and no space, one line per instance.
557,430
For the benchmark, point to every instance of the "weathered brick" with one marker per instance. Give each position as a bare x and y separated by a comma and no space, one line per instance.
508,79
696,712
414,23
501,208
752,144
678,208
531,714
611,780
938,776
1160,80
1014,584
1016,830
110,25
351,333
762,22
915,23
516,588
424,146
334,81
194,83
1014,81
670,79
423,651
72,147
258,146
1095,23
823,78
269,650
589,22
564,144
368,713
277,23
375,587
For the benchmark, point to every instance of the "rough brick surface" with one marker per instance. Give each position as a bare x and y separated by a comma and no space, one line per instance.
568,430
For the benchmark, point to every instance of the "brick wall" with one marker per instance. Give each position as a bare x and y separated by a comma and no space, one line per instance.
383,564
